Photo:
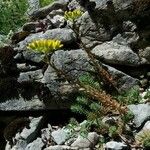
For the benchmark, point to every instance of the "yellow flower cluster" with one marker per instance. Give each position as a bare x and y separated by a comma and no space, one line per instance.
45,45
73,15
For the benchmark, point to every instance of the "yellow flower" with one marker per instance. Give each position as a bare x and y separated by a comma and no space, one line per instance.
45,46
73,15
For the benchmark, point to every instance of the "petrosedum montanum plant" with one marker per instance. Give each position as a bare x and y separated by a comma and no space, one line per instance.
73,15
45,46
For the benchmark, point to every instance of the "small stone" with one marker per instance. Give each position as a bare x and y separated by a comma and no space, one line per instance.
115,145
61,147
86,142
35,145
144,82
148,74
60,136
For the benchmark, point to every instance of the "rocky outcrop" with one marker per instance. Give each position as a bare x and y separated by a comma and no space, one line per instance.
109,31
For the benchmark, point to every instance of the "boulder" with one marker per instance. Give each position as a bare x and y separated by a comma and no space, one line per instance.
114,53
43,12
66,36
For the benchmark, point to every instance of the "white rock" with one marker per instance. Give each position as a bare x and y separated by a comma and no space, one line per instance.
21,104
61,147
115,53
35,145
86,142
60,136
114,145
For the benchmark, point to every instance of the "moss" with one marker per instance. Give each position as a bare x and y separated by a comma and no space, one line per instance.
16,126
8,88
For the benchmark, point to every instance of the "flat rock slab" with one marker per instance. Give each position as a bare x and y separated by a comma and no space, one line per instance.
141,113
21,104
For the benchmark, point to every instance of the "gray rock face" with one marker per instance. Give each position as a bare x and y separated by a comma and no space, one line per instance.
115,145
75,63
26,136
146,128
58,21
21,104
86,142
124,81
145,53
43,12
141,113
114,53
33,6
66,36
36,75
32,56
91,34
35,145
74,4
59,136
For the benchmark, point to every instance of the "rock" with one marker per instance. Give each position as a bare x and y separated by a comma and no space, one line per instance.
74,4
27,135
66,36
19,36
60,136
144,82
30,26
32,56
124,81
43,12
145,53
35,145
145,129
21,104
86,142
59,12
61,147
126,38
129,26
58,21
114,53
46,134
33,6
141,113
36,75
113,145
75,63
90,34
24,67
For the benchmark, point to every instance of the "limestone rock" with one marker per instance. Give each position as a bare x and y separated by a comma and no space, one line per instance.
59,136
114,53
35,145
43,12
90,141
113,145
66,36
36,75
141,113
